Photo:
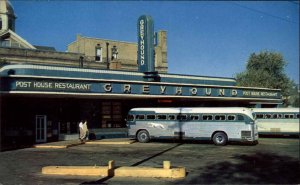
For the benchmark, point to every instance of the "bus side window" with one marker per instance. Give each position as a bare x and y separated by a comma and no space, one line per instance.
161,117
298,116
288,116
171,117
268,116
231,117
140,117
207,117
240,117
130,117
194,117
182,117
151,117
259,116
220,117
275,116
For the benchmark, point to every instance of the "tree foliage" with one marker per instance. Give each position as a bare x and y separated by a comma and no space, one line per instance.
266,70
293,99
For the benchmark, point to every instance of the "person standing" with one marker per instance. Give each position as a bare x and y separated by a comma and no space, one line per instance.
81,133
85,130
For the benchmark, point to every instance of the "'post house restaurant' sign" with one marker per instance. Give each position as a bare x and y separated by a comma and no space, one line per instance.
143,89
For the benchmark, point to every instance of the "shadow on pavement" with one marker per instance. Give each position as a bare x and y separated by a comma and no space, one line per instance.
102,181
260,168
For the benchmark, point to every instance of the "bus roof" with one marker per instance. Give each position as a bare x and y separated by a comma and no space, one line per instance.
270,110
177,110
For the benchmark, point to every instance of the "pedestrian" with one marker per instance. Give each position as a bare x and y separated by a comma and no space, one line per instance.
85,130
81,133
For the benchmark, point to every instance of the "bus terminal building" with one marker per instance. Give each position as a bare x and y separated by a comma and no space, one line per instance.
45,93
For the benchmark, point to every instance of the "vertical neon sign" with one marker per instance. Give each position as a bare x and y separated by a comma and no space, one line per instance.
145,44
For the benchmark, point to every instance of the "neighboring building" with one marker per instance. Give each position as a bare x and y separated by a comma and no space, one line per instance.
8,37
7,16
121,55
45,93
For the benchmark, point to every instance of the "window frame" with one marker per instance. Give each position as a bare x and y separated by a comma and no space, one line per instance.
130,117
193,116
268,116
173,117
148,115
234,117
208,116
158,117
289,116
180,116
137,117
240,116
98,48
217,116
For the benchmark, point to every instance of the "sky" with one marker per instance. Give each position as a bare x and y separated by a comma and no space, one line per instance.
206,38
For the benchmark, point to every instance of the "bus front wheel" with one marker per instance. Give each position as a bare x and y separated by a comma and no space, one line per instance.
220,138
143,136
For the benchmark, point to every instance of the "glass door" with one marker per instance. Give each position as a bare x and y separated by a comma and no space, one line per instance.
41,128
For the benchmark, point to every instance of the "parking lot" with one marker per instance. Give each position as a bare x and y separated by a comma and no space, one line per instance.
273,160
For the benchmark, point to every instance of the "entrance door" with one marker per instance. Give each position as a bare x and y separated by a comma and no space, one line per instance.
41,128
111,114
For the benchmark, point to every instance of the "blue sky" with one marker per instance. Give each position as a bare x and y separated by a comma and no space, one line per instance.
209,38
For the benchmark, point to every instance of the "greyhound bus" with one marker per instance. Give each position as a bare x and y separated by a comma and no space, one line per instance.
277,121
220,125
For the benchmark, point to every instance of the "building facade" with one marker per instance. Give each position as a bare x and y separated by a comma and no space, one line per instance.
44,93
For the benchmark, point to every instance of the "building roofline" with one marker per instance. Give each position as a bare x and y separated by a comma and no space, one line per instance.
106,71
36,50
19,38
86,37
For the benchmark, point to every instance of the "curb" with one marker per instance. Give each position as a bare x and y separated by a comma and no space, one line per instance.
110,142
111,170
56,146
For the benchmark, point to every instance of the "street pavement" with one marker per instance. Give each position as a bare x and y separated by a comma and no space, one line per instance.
272,161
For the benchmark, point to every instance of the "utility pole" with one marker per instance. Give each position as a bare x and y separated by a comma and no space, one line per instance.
81,61
107,54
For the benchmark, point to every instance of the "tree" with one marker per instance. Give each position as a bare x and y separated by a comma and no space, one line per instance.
266,70
293,99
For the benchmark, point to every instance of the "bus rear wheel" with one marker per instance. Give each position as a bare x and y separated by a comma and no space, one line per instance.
220,138
143,136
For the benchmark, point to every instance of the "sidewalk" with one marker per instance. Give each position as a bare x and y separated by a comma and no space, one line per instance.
59,144
70,143
116,141
103,133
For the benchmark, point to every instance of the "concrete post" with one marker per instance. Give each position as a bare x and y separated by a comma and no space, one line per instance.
167,165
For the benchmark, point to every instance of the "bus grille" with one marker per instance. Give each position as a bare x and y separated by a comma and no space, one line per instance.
246,134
